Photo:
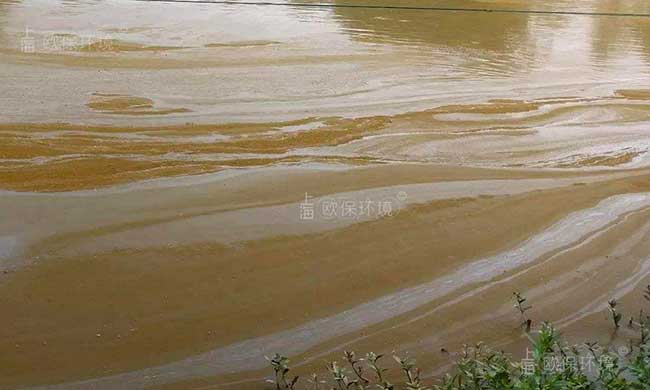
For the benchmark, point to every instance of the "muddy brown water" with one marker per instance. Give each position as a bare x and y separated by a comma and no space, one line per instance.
185,188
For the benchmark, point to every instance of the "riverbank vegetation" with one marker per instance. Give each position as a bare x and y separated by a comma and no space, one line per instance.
549,364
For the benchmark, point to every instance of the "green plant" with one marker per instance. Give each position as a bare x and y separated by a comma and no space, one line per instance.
640,368
522,307
411,372
280,365
350,357
520,303
549,365
616,316
373,362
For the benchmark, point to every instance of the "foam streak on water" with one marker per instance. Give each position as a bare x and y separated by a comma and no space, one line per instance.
249,354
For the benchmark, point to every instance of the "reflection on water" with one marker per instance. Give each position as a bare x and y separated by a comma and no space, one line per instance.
498,32
178,64
508,37
5,7
613,37
458,46
165,90
496,42
505,42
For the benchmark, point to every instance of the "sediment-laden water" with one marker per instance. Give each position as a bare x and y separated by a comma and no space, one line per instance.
185,188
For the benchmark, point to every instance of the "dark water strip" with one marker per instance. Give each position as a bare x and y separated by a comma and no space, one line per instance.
406,7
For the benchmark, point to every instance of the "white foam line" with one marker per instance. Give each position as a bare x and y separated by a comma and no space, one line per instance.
271,221
597,303
622,288
248,354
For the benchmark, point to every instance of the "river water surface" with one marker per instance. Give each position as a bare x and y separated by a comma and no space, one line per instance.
157,160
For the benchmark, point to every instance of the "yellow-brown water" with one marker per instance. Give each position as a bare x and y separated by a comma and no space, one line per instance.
155,159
